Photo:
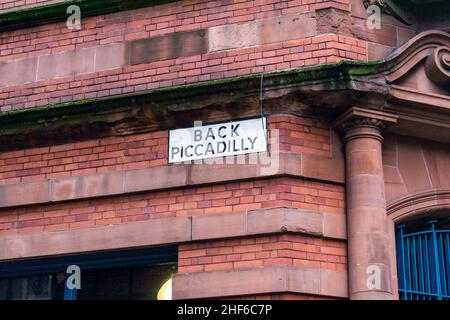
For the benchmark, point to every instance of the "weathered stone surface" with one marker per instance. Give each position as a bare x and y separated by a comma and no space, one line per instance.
111,56
88,186
202,173
373,194
65,64
412,167
155,178
127,235
437,159
334,225
285,27
174,45
34,192
219,226
386,36
377,51
319,167
389,150
393,183
409,175
10,195
330,20
258,280
285,219
17,71
333,283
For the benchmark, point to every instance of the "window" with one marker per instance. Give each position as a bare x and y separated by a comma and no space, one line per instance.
423,260
33,288
119,275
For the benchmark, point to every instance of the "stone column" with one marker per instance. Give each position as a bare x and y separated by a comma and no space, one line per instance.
368,252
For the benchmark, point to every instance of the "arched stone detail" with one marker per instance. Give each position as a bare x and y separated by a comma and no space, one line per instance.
407,208
437,67
434,44
419,203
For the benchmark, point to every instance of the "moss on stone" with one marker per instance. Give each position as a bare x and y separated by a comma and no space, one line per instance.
332,77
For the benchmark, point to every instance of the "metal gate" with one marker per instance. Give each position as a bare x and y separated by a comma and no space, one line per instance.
423,264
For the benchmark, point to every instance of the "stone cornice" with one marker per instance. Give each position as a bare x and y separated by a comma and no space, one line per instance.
177,105
38,15
429,43
341,75
330,88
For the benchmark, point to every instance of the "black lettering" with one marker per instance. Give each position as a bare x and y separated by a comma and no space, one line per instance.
252,141
175,151
210,134
222,135
209,149
196,150
197,135
186,151
233,129
224,147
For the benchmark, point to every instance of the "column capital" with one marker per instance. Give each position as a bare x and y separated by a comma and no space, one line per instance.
359,122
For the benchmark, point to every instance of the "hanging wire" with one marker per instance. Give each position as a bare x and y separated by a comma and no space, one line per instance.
261,110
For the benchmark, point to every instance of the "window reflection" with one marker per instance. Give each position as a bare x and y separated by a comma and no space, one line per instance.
140,283
33,288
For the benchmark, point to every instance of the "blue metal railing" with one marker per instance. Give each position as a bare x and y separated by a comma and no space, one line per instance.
423,264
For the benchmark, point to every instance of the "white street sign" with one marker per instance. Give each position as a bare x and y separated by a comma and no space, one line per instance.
218,140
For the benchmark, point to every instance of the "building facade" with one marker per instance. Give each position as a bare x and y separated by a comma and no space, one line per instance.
348,197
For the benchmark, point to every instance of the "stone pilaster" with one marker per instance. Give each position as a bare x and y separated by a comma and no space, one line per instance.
368,254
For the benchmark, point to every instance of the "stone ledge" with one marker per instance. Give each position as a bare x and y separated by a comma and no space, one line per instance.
261,280
165,177
271,220
173,230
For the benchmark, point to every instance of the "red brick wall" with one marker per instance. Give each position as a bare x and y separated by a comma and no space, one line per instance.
220,198
165,19
287,249
87,157
297,135
148,22
302,135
